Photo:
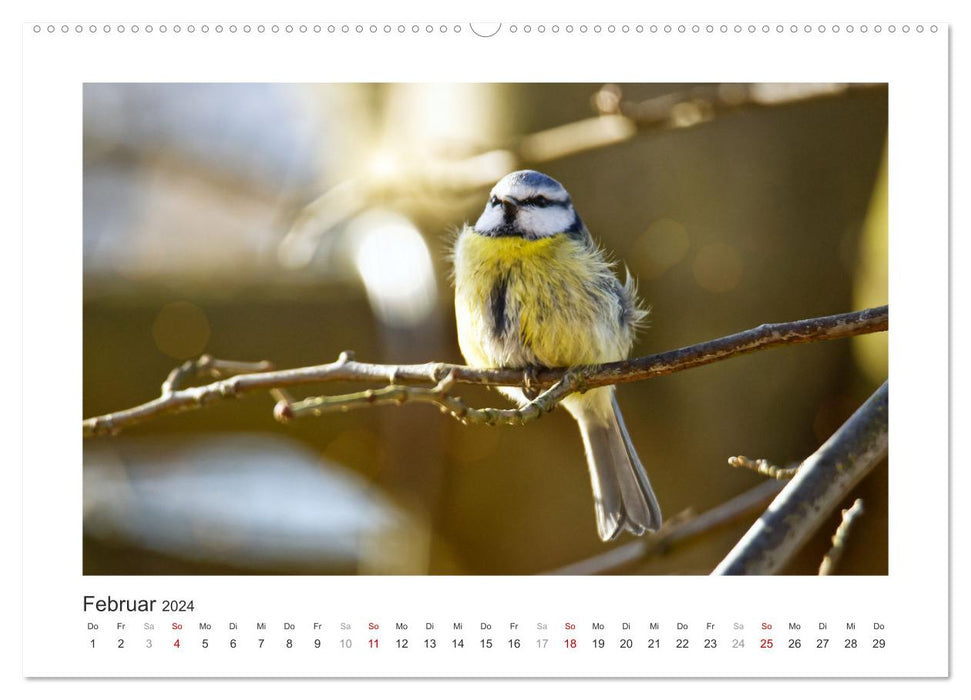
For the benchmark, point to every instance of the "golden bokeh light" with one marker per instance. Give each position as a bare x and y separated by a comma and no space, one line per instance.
871,283
181,330
717,268
662,246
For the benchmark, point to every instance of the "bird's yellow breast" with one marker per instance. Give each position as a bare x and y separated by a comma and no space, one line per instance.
511,250
548,301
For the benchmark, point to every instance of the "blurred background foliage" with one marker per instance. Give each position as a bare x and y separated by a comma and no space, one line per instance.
290,222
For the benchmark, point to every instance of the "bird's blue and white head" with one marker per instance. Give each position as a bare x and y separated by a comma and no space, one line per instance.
529,205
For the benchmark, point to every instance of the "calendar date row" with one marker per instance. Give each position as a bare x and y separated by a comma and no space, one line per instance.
512,643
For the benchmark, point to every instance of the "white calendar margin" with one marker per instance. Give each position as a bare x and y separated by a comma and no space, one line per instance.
912,601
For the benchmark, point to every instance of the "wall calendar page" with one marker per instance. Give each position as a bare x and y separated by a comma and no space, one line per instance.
455,349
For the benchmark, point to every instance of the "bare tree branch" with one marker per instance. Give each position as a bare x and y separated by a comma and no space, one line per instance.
704,103
824,479
438,395
763,467
840,537
674,532
617,120
559,382
208,367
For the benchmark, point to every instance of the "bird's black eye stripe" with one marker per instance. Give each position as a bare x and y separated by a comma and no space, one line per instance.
542,202
538,201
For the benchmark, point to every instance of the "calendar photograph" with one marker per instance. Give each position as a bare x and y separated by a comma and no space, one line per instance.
484,329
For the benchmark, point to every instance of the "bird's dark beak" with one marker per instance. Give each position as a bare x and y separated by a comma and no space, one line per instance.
509,210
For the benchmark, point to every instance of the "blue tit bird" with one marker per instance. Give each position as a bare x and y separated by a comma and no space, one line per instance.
533,289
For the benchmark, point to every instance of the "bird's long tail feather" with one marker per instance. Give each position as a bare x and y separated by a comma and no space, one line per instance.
623,497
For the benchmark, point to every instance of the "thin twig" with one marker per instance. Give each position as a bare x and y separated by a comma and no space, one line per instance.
824,479
438,395
763,467
673,533
347,369
208,367
840,538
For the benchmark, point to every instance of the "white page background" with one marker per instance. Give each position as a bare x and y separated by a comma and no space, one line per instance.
293,62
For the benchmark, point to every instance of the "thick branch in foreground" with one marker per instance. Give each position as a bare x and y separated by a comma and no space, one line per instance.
823,481
175,399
